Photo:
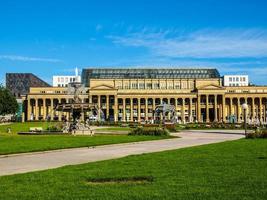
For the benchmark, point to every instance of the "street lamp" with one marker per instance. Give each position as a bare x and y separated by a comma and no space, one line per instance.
245,107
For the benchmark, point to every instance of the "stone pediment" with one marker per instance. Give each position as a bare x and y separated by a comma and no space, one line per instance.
102,87
211,87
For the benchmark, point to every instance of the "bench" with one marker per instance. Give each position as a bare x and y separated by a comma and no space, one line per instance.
36,129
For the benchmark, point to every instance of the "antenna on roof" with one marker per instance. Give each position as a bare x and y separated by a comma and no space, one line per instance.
76,72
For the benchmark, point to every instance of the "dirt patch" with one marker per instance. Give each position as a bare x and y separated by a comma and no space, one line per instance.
120,180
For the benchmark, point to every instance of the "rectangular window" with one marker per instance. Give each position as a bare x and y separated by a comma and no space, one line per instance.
230,79
134,86
156,85
126,86
177,86
149,86
141,86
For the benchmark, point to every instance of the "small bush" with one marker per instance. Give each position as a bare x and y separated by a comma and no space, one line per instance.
264,133
171,127
54,128
149,131
257,134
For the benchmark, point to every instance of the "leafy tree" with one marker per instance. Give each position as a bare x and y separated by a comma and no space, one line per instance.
8,103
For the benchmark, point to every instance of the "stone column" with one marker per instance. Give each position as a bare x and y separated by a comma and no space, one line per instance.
183,110
169,114
161,114
115,108
99,107
260,109
223,108
253,109
131,99
264,112
52,109
59,112
190,110
123,110
146,110
215,108
36,110
139,109
154,107
29,109
107,107
44,109
199,108
238,110
207,109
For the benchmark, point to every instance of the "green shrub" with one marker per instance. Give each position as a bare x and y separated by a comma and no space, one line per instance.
170,127
252,135
257,134
149,131
263,133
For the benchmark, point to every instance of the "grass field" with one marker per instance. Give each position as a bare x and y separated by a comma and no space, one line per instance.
29,143
24,127
13,143
234,170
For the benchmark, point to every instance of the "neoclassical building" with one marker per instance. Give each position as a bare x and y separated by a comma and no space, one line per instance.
130,95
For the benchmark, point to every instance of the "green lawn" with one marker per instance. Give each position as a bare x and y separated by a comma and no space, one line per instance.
28,143
25,127
234,170
13,143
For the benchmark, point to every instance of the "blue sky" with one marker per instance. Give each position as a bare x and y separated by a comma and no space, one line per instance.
53,37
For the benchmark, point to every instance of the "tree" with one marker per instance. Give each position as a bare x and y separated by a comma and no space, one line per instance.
8,103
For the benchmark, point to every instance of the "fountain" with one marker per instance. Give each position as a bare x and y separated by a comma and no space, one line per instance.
163,109
76,108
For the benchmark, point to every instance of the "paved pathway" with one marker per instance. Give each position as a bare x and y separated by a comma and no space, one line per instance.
28,162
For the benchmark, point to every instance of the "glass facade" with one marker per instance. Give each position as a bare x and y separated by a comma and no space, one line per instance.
176,73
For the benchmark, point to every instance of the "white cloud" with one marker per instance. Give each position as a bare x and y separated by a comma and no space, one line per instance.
227,43
27,59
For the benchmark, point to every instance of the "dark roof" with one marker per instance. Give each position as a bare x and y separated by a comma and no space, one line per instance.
20,83
136,73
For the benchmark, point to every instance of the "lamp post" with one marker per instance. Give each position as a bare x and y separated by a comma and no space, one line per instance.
245,107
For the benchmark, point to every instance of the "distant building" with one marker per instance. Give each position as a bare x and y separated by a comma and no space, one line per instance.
235,80
63,81
20,83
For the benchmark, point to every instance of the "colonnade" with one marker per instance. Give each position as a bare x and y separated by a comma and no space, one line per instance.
193,108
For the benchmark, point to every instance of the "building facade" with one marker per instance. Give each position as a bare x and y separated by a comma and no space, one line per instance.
19,85
131,95
235,80
63,81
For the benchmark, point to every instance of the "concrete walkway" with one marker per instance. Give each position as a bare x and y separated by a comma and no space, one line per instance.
29,162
